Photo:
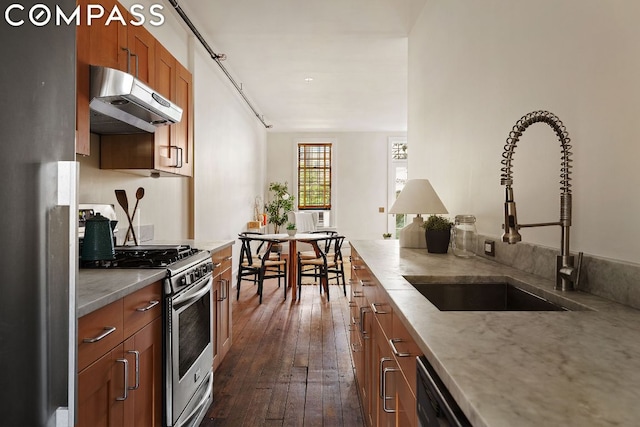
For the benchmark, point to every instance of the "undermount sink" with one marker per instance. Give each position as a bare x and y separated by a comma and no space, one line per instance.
483,297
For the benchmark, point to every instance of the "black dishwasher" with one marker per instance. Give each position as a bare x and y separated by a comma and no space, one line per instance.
435,405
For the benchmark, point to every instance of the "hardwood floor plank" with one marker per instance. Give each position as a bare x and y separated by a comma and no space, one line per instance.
290,363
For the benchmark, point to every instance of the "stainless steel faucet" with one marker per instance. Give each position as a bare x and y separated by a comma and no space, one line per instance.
567,276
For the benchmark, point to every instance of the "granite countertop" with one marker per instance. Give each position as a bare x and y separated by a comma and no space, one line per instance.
97,288
555,368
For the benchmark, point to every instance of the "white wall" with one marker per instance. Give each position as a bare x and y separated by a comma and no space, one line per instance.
476,67
229,148
360,176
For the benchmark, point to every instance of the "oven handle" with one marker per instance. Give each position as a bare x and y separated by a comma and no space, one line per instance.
193,294
204,398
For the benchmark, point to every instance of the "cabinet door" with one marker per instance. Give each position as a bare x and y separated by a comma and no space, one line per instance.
142,46
224,308
182,143
101,387
165,76
143,350
108,42
383,382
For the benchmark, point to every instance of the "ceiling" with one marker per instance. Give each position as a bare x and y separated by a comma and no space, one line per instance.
355,52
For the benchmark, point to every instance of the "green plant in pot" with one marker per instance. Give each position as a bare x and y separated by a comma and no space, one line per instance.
291,229
437,231
281,202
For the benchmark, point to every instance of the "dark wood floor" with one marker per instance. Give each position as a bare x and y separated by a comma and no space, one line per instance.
289,365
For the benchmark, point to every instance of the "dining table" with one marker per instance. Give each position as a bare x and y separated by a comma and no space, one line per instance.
292,274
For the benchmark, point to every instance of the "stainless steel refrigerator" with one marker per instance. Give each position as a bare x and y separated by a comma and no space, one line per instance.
38,216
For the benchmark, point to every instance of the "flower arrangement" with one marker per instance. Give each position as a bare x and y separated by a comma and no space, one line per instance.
291,226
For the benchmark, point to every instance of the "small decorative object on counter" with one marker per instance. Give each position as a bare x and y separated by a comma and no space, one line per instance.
465,237
291,229
386,236
437,231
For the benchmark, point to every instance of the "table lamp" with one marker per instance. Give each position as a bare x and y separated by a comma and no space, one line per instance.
417,197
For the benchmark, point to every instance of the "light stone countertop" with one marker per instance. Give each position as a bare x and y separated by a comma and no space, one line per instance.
572,368
97,288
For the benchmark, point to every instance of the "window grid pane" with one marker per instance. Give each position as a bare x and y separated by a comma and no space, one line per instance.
314,176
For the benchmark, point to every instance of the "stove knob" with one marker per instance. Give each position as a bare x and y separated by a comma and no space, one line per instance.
183,281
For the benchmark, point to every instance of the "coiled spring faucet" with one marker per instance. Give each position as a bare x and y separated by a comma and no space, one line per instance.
567,276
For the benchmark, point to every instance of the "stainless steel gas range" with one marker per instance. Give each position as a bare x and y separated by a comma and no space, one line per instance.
188,320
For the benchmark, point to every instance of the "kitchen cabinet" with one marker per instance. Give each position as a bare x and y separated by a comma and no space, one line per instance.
120,362
222,319
385,365
361,339
127,48
168,151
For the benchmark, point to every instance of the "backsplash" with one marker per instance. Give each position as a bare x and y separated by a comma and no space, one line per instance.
617,281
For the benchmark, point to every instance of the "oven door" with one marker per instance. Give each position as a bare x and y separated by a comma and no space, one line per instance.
190,347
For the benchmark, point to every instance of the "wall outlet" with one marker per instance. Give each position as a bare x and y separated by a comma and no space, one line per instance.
489,248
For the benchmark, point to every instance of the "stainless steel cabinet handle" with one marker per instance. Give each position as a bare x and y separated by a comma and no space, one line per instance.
364,333
358,294
107,330
125,362
367,283
126,49
137,355
359,267
374,308
152,304
178,157
392,343
224,290
137,65
381,374
228,258
385,398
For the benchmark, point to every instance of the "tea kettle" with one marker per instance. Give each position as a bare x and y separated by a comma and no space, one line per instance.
98,239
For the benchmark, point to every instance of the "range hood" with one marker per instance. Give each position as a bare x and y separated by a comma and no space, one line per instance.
122,104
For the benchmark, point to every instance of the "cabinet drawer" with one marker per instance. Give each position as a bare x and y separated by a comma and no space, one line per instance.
405,352
141,307
99,332
223,258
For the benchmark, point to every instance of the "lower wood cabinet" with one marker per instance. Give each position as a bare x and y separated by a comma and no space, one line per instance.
222,319
384,353
121,385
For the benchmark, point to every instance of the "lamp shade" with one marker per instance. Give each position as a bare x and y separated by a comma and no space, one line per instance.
418,197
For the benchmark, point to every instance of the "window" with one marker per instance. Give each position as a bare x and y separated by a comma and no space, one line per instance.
398,172
314,176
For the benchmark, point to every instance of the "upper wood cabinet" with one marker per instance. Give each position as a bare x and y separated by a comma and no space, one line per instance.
170,149
128,47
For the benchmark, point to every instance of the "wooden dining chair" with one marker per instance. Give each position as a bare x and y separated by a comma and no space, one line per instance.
326,265
257,266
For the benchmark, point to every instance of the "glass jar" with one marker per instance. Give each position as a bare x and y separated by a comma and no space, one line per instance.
464,236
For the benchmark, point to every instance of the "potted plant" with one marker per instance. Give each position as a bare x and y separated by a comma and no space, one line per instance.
437,231
386,236
291,229
281,203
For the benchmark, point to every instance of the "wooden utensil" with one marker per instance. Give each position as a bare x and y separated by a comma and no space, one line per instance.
139,195
121,195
